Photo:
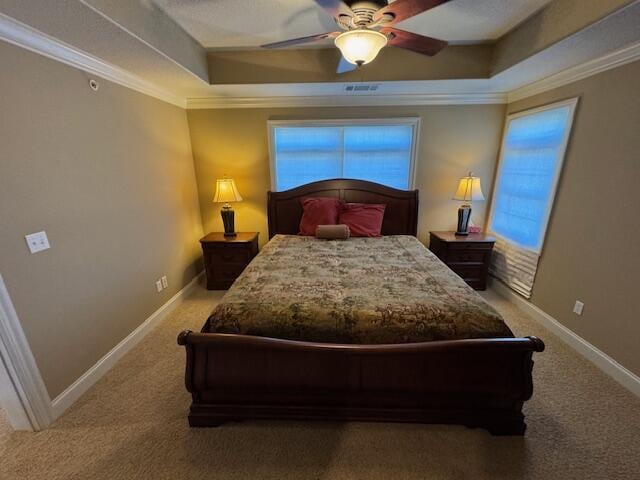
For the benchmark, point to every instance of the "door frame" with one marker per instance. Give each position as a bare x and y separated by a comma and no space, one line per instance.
26,400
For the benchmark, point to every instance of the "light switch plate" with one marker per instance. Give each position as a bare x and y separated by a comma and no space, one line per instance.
37,242
159,285
577,308
165,282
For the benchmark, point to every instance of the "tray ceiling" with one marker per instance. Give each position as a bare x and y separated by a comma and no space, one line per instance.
229,24
136,44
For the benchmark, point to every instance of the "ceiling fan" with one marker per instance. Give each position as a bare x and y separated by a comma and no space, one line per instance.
366,26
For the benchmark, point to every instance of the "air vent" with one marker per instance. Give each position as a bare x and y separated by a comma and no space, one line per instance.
360,88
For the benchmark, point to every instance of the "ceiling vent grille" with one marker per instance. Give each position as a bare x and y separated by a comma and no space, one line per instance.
360,88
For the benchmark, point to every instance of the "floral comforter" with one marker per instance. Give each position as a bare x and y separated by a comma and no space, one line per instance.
358,291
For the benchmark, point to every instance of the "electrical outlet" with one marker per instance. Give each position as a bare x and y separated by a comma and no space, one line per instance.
159,285
165,282
577,308
37,242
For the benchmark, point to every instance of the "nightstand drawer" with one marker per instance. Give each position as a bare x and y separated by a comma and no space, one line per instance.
477,284
230,255
227,272
226,257
468,272
470,246
466,256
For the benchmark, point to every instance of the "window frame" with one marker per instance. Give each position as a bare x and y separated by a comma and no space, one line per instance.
573,104
414,122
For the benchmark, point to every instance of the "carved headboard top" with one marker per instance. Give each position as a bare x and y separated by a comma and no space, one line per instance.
400,216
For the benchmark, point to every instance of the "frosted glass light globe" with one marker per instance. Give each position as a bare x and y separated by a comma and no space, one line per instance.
360,46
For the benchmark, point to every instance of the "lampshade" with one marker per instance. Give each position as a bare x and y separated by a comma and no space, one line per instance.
469,189
226,191
360,46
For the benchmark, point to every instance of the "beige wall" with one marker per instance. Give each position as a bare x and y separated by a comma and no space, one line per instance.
453,140
591,250
313,65
109,176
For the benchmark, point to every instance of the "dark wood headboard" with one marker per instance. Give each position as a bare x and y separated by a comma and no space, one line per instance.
400,216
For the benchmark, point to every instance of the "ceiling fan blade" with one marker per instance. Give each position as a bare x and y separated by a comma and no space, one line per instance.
344,66
413,41
403,9
301,40
335,8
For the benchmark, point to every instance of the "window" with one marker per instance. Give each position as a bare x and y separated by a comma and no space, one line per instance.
532,154
533,149
381,151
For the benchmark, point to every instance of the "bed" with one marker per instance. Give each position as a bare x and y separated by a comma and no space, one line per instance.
374,329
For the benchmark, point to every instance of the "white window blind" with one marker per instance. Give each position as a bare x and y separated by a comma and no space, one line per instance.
380,151
533,150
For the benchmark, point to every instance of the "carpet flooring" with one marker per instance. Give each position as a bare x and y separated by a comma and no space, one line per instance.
132,424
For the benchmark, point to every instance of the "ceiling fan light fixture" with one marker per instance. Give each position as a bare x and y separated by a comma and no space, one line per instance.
360,46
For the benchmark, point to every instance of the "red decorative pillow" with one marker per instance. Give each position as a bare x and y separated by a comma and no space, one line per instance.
363,219
318,211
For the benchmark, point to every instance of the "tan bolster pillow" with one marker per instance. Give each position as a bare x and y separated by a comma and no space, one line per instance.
332,232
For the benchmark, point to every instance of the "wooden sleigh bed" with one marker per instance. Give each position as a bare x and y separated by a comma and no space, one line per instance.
476,382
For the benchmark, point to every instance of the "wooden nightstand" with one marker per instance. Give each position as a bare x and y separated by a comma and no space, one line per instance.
226,257
468,256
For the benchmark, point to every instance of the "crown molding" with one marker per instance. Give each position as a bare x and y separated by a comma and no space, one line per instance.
17,33
348,100
607,62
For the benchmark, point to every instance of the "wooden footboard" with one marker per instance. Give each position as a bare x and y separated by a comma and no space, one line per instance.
477,383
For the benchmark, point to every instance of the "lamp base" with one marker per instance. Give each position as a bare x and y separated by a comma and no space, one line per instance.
464,215
228,220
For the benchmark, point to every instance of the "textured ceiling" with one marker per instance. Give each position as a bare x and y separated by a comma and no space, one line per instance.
617,31
250,23
77,24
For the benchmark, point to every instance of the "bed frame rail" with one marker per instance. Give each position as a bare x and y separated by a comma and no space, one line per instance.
477,382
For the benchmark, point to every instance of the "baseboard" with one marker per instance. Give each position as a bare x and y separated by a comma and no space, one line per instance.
604,362
67,398
27,403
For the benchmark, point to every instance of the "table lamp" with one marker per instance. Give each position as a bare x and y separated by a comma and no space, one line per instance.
469,190
226,191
